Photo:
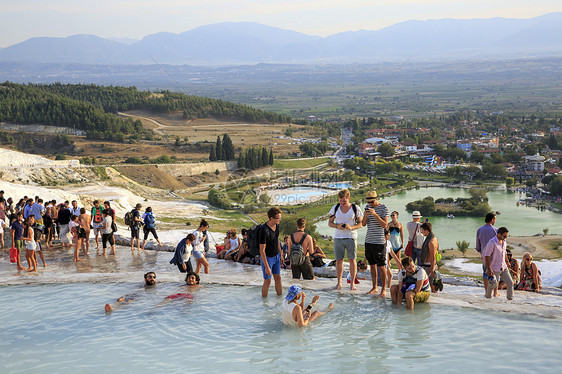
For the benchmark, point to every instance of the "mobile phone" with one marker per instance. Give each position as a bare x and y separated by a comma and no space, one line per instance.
309,307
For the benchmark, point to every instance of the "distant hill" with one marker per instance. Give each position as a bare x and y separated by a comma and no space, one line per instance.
93,108
248,43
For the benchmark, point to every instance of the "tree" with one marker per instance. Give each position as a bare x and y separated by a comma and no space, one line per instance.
386,150
218,149
463,246
227,148
213,154
555,186
271,157
545,231
509,181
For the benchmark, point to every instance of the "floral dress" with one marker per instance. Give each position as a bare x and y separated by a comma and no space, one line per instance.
527,279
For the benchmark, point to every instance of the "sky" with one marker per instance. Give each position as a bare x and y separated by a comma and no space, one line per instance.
21,20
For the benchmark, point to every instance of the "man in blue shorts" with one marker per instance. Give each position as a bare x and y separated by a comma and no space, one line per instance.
270,251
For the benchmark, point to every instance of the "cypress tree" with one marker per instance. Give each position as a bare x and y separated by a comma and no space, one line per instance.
213,155
218,149
264,157
228,148
270,156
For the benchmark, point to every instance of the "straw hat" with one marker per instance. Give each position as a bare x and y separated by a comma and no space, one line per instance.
371,195
416,213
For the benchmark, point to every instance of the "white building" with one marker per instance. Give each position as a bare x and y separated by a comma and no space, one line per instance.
534,163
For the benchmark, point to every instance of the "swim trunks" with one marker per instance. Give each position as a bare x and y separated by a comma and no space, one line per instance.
180,296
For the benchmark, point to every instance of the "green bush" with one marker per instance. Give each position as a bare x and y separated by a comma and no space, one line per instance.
219,198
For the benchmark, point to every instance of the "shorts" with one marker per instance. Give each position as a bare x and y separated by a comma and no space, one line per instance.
97,228
421,297
343,245
39,221
30,246
305,269
180,296
274,264
135,233
375,254
19,244
105,238
198,254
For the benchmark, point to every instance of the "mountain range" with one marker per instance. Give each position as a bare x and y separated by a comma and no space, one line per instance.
233,43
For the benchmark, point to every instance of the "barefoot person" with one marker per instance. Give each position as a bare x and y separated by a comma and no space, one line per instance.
376,220
107,232
483,236
149,282
294,313
345,218
30,244
74,227
199,247
16,232
271,251
496,263
97,218
413,285
182,254
149,226
85,221
300,248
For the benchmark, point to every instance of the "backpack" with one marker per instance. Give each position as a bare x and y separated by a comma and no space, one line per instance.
353,206
252,240
149,221
129,218
297,255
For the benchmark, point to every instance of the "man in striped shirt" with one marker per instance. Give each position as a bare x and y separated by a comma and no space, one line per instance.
376,220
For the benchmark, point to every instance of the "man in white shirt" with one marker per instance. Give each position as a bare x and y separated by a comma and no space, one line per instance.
345,218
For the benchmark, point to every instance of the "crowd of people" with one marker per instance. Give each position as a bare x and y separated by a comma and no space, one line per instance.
32,221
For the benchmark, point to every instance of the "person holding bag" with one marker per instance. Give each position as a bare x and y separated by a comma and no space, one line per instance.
415,237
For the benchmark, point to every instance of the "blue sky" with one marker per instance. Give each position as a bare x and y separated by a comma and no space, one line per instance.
21,20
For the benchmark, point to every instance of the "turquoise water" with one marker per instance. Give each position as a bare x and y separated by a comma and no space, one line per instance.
61,328
521,221
339,185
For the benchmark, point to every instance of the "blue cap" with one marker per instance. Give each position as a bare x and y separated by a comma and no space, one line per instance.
294,290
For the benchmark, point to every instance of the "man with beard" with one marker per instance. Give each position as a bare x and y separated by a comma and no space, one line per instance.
149,282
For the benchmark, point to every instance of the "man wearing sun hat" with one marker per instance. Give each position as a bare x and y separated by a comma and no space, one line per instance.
415,234
376,220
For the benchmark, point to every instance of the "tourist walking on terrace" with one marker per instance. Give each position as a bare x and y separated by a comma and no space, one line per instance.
16,232
496,264
135,227
107,232
294,313
415,236
271,251
183,254
64,216
376,220
149,226
513,266
345,218
199,248
483,236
